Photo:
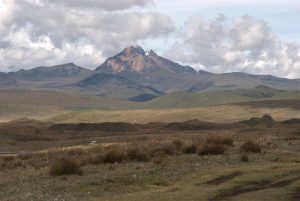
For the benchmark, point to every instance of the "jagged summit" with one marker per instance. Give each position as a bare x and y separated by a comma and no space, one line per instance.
134,50
136,59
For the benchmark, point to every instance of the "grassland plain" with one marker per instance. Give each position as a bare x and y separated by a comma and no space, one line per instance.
271,175
220,113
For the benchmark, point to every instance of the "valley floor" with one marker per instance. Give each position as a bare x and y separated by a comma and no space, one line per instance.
271,175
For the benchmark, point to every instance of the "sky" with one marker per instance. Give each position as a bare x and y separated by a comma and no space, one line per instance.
257,36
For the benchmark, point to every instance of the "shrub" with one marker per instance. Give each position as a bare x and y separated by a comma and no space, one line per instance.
164,149
210,149
157,160
94,158
178,144
250,146
114,155
138,154
65,166
244,158
190,148
218,140
9,158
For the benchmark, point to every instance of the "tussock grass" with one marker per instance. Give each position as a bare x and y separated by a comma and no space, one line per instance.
69,161
65,165
250,147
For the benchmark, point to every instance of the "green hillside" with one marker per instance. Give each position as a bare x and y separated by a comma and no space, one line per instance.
189,100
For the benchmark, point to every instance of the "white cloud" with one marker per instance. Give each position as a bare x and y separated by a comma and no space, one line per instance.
245,44
109,5
49,32
84,32
224,3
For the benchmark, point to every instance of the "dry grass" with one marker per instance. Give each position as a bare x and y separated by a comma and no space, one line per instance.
65,165
211,149
221,113
244,158
250,146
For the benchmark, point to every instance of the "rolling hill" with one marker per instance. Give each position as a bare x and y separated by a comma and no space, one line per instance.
137,75
184,99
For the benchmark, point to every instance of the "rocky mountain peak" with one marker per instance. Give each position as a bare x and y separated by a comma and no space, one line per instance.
151,53
136,59
134,50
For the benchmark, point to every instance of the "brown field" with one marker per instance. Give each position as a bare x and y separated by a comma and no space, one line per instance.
221,113
255,159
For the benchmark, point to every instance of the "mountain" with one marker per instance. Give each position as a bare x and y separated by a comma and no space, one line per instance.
135,59
45,77
6,80
149,69
138,75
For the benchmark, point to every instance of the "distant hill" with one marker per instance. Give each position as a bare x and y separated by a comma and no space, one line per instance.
44,77
138,75
58,99
183,99
115,86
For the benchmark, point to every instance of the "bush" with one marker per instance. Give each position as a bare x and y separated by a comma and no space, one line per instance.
164,149
114,155
210,149
218,140
244,158
250,146
190,148
94,159
65,166
9,158
136,153
178,144
157,160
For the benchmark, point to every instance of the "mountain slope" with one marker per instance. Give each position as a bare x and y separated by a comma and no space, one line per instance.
137,75
188,100
135,59
58,99
153,70
115,86
45,77
149,69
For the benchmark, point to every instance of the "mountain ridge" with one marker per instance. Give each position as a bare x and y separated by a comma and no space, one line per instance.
136,74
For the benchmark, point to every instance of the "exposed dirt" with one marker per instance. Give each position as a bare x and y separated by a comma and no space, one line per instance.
296,195
254,186
225,178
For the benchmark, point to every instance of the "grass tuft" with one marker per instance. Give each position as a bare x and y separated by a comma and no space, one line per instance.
65,166
250,147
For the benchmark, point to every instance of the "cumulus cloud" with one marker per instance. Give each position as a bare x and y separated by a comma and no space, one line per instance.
44,32
110,5
243,44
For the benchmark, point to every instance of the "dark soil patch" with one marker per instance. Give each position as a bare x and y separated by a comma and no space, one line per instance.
254,186
296,195
225,178
104,127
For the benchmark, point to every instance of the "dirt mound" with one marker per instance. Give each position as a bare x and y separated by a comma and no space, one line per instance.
266,120
25,120
291,121
104,127
194,125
